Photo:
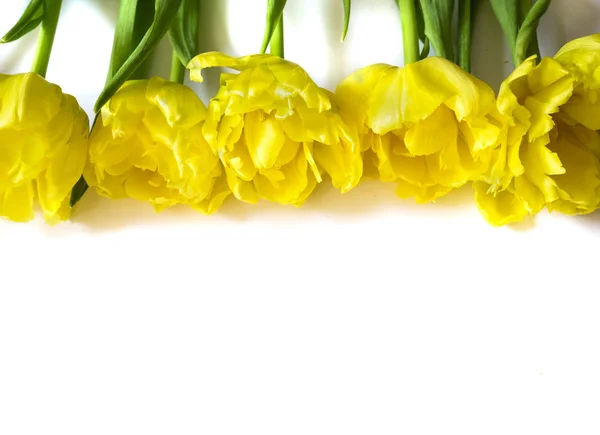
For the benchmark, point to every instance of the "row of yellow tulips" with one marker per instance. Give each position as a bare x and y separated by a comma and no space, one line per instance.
272,133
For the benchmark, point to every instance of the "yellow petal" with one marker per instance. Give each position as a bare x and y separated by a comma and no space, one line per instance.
433,134
422,194
150,146
16,203
501,208
264,138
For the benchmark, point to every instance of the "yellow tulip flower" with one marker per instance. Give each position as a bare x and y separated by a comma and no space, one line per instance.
551,144
276,131
148,145
429,126
43,147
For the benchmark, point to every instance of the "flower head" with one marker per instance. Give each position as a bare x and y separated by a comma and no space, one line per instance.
276,131
148,145
549,153
43,146
428,126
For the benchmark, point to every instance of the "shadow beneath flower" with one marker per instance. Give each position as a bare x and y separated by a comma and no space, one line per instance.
590,221
95,212
525,225
371,197
458,197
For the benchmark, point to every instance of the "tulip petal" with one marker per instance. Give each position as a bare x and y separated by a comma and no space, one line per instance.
150,146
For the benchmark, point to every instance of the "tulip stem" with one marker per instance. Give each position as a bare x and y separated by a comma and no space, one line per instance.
464,32
276,44
410,34
177,69
526,43
46,36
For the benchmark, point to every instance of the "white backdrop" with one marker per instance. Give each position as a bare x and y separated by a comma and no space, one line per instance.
356,314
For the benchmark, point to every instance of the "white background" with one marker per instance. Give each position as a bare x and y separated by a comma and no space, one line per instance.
356,314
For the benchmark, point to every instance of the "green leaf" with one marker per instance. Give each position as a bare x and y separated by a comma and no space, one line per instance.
134,40
526,38
421,26
165,11
78,191
425,49
519,20
81,186
184,30
347,7
31,18
437,15
523,8
274,12
508,13
134,20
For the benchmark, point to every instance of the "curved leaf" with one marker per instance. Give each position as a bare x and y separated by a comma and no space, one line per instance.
163,17
135,18
438,15
519,20
508,13
274,12
527,32
425,49
31,18
183,33
347,7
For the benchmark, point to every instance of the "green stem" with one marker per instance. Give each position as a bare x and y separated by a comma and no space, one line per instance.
410,33
527,36
46,37
464,32
177,69
276,44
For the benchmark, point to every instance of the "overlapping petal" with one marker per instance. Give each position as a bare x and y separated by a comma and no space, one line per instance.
550,148
148,145
429,126
276,132
43,147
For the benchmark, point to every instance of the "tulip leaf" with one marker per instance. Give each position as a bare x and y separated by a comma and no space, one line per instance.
526,38
134,42
507,12
274,13
425,49
437,15
184,30
30,19
519,20
78,191
421,25
347,7
135,18
165,11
